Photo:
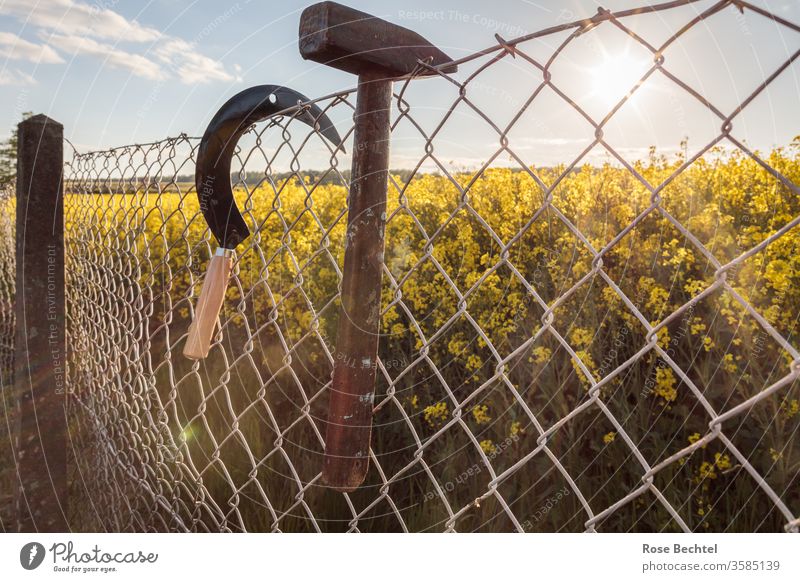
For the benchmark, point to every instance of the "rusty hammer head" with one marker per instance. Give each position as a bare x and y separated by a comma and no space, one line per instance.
357,42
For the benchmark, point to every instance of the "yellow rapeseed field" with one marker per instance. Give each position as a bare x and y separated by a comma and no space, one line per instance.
478,265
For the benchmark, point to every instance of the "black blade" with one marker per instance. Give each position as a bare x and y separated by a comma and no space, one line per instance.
213,171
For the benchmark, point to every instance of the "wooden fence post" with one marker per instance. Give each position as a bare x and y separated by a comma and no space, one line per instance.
40,348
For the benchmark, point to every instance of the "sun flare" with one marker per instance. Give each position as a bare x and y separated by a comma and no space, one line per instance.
615,76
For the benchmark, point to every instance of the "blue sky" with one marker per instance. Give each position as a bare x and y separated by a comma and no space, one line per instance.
120,71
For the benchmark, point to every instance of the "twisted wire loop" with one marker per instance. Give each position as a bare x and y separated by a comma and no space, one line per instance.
495,410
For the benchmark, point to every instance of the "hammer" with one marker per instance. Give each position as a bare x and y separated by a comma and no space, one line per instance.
379,53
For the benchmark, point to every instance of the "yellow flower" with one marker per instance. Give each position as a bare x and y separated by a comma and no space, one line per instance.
791,409
665,385
481,414
541,354
693,287
290,270
663,339
722,461
487,446
436,413
584,357
728,364
697,326
474,362
581,337
706,471
658,299
778,274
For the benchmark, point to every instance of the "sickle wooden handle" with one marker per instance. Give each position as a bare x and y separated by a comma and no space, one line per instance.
209,305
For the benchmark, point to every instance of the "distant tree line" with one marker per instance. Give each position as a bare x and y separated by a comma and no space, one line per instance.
325,177
8,157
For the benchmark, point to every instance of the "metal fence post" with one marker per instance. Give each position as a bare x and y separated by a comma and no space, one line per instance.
40,349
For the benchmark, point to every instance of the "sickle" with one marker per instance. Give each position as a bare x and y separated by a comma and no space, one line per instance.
213,169
213,182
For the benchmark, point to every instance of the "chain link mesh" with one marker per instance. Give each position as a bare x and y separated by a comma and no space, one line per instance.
7,330
533,374
7,288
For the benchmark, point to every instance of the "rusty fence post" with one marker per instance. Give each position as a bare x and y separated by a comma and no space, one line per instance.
40,346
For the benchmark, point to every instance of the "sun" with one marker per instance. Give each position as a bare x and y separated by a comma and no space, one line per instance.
615,76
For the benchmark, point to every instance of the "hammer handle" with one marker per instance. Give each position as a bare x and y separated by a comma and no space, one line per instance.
208,306
349,425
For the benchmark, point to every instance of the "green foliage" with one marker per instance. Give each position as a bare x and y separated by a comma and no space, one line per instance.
8,158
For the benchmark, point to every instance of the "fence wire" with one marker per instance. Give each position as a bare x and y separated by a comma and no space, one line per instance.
579,347
7,288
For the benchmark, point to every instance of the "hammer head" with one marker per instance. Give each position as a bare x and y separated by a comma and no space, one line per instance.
358,42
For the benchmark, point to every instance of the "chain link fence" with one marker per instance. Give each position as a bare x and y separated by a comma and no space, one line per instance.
7,330
574,347
7,291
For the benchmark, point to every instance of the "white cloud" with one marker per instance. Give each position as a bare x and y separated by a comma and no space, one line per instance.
190,66
137,64
70,17
84,29
13,47
8,77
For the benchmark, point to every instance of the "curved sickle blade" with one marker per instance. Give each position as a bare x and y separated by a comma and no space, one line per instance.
213,172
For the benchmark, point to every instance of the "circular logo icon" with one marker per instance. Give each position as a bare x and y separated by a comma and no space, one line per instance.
31,555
